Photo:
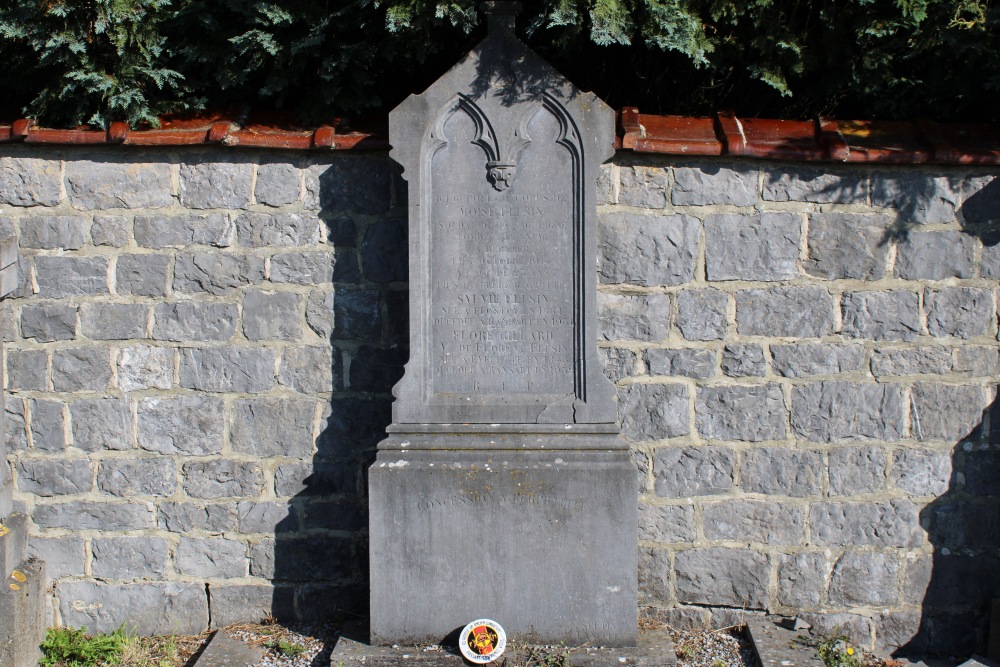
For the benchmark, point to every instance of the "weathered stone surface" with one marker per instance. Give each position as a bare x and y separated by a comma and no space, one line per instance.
213,557
654,411
271,315
180,425
682,472
81,368
935,256
712,184
310,370
319,312
814,185
856,627
384,251
227,369
15,429
136,557
702,314
618,362
761,521
63,556
109,230
191,321
223,478
154,608
101,423
145,367
212,183
801,312
748,413
241,603
667,523
48,322
802,579
911,361
164,231
54,477
857,470
319,477
816,359
654,575
121,183
48,427
963,312
781,471
865,579
944,411
606,185
692,363
27,370
642,186
186,517
373,369
127,478
743,360
216,273
141,275
277,229
361,185
647,250
277,183
113,321
59,276
919,197
89,515
890,315
29,181
51,232
977,360
341,231
302,268
633,316
831,411
845,245
752,247
720,576
265,517
264,427
892,523
921,472
897,629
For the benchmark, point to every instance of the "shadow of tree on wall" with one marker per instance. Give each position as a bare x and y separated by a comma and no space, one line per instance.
320,552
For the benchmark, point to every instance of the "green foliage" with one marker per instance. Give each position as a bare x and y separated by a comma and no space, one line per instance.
836,651
68,647
286,648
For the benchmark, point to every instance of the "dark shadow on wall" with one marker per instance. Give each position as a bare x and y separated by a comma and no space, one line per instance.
320,568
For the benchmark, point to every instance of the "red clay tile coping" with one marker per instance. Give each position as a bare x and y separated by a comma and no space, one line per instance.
725,134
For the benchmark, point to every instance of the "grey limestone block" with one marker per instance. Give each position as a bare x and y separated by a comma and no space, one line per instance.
643,186
990,263
125,183
101,423
781,471
919,197
173,231
373,369
193,321
303,268
277,229
887,523
693,363
748,413
109,230
722,576
764,246
896,629
271,315
81,369
265,427
113,321
141,275
709,184
190,425
15,429
654,576
23,608
654,411
743,360
356,313
962,312
935,255
865,580
606,185
65,276
90,515
384,252
340,231
681,472
223,478
921,472
227,369
980,199
803,360
945,411
763,521
923,360
800,312
145,367
277,183
354,184
130,477
702,314
48,426
802,579
27,370
153,608
310,369
890,315
814,185
977,360
29,181
618,362
234,603
63,556
137,557
318,477
667,523
262,558
184,517
847,246
647,250
212,558
208,183
857,627
857,470
54,477
265,517
216,274
644,317
832,411
51,232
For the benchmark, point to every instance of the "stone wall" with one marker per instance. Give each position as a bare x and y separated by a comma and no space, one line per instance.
201,351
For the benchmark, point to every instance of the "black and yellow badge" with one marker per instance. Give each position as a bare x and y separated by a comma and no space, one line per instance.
482,641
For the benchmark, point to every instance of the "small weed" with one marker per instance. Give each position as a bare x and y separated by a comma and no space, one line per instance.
69,647
286,648
719,663
835,651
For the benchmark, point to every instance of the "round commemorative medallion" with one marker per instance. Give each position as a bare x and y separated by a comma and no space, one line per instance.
482,641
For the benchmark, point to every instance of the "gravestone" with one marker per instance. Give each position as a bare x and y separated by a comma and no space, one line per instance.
502,490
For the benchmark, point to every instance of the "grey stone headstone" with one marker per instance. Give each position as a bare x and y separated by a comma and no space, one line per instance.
503,489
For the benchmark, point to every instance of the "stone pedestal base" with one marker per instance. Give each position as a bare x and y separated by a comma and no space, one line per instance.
22,610
545,543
